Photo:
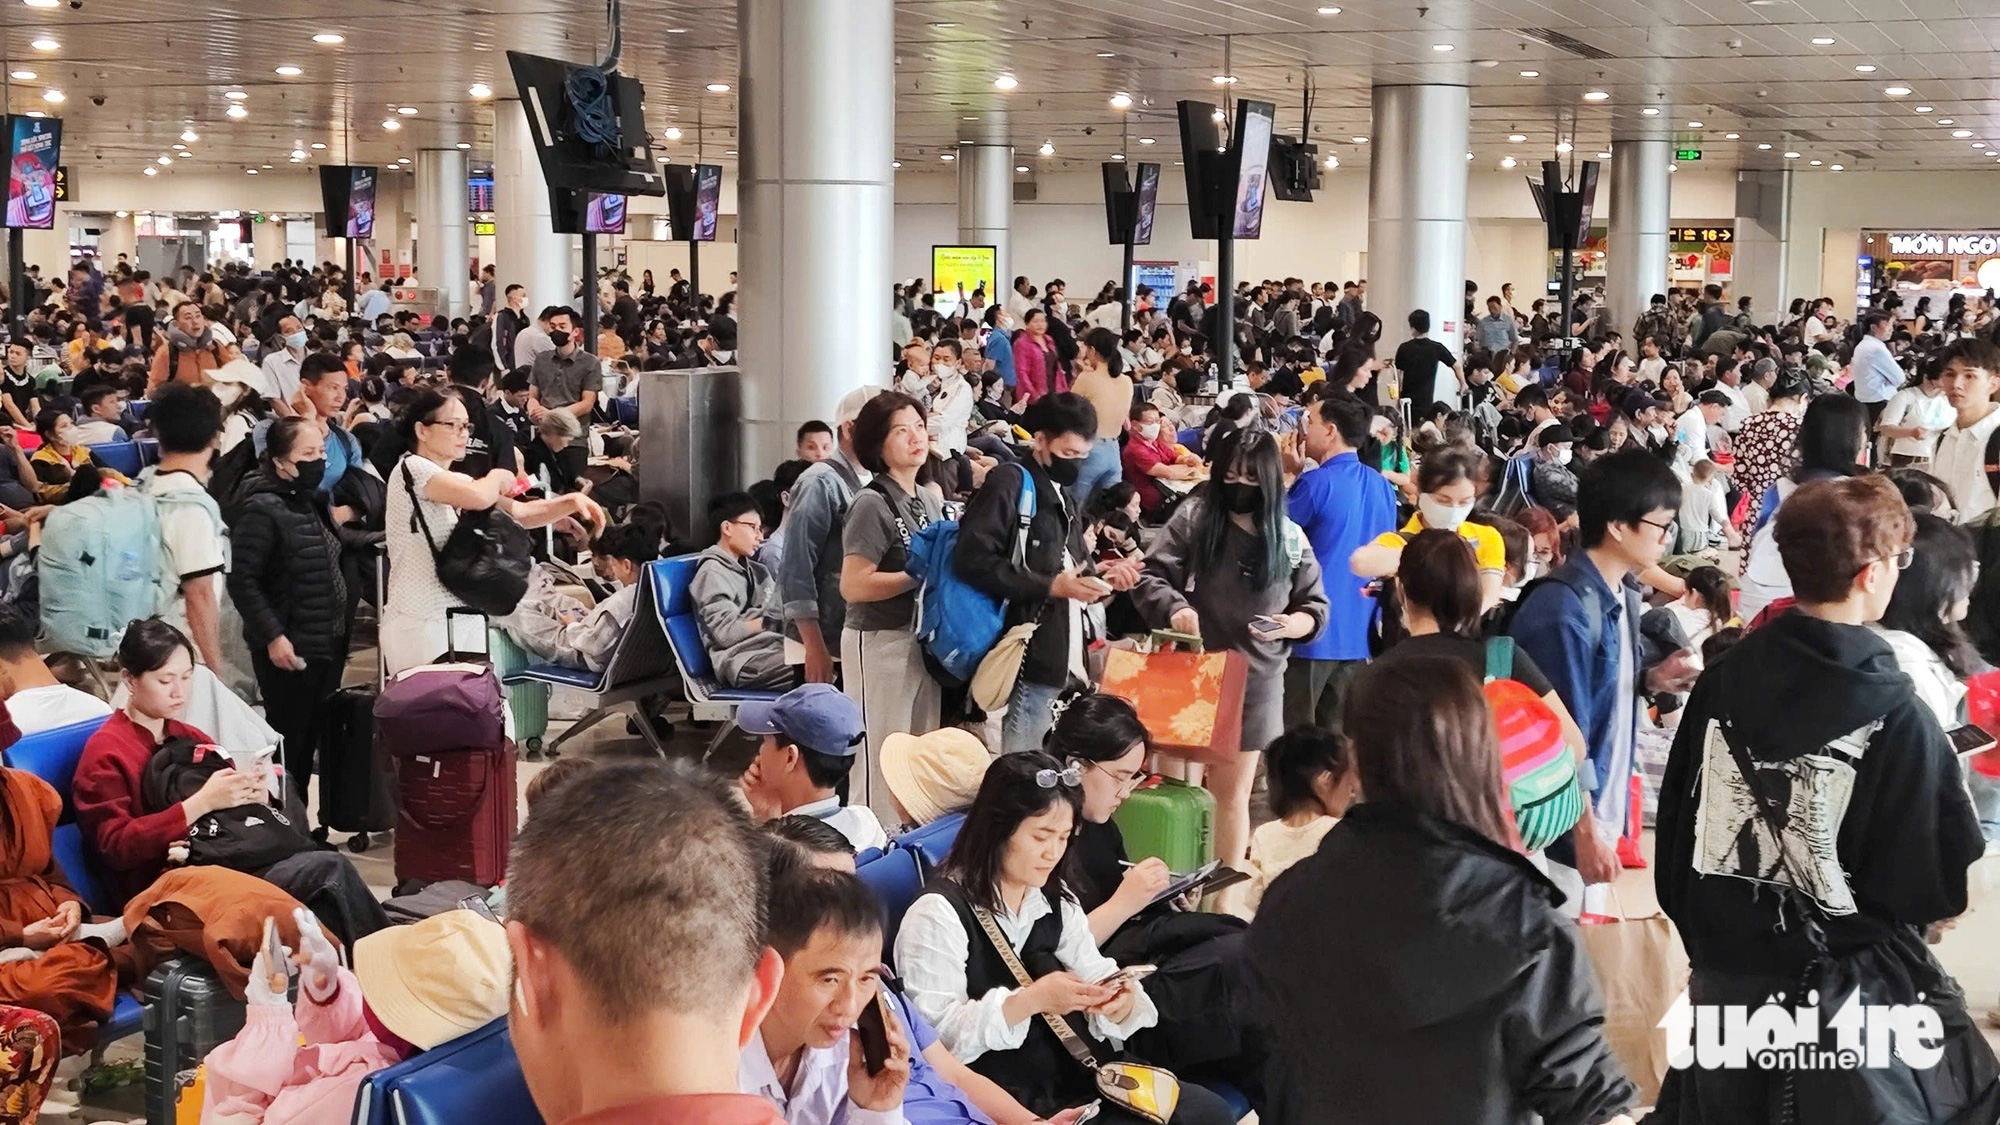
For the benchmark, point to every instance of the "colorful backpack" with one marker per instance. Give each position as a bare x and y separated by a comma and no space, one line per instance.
1536,765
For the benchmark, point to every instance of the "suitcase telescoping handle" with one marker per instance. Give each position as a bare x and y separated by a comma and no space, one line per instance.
1168,640
451,653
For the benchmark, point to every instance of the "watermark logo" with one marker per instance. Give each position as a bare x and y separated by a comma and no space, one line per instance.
1777,1036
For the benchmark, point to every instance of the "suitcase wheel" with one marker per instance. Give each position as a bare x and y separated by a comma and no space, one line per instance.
359,843
531,750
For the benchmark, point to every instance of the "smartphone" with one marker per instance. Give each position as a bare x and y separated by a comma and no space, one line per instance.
873,1028
1090,1111
274,958
1098,585
1970,739
1266,628
1130,972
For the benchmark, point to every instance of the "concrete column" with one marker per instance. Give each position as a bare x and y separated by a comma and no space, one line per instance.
1759,269
1416,209
526,251
121,236
267,242
49,249
442,259
986,207
1641,215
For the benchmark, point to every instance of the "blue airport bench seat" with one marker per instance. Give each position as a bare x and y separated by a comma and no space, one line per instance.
932,842
709,700
640,665
123,456
897,879
472,1080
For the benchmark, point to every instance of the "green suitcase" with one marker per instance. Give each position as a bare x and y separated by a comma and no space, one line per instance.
1172,820
528,703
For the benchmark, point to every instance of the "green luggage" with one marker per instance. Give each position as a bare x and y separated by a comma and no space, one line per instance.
1172,820
527,703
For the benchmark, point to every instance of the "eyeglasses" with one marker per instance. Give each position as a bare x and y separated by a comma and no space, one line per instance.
1126,781
751,524
456,427
1069,776
1664,528
1902,559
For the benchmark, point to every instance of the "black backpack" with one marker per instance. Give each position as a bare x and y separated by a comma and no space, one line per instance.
484,561
248,838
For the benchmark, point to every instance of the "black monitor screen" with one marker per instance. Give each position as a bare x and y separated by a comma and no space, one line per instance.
605,214
1253,145
1147,196
34,148
707,200
361,203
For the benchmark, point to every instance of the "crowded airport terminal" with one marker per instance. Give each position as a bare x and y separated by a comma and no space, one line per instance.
1000,562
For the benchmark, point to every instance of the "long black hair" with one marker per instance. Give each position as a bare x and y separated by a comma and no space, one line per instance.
1095,728
1251,451
1832,435
1010,793
1941,575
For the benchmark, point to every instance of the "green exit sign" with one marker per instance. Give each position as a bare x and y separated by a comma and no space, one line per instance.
1687,154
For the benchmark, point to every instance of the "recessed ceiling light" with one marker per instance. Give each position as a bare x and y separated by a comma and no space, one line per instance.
1764,3
1048,148
1732,136
152,171
329,38
1822,40
1516,138
289,71
1216,116
1694,124
183,154
1923,109
53,97
1359,140
1945,121
249,171
1564,146
718,87
1443,47
1604,156
677,31
1329,11
1763,148
1020,167
1145,140
1673,167
391,124
1650,111
480,90
1836,168
178,146
190,136
1117,156
123,214
46,44
970,117
402,160
1898,91
947,157
1224,80
730,152
1506,162
1531,74
1791,156
408,111
944,26
1596,96
165,160
234,95
43,3
1006,82
1816,163
1961,133
237,111
1468,156
895,164
318,146
1107,54
1121,100
1333,161
673,133
1864,68
465,144
22,75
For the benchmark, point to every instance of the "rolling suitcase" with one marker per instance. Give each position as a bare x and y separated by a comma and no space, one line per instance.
1172,820
357,779
188,1013
458,815
528,703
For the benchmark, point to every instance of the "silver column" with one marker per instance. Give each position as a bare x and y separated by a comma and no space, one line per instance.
1416,209
986,207
1641,213
815,192
442,257
526,249
1763,242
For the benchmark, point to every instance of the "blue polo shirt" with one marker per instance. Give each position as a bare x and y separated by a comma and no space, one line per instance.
929,1099
1341,506
1000,349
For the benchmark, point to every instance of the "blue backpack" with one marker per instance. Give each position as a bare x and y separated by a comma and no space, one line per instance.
99,566
958,623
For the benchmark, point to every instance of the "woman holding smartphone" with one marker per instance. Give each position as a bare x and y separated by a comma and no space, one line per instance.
1232,568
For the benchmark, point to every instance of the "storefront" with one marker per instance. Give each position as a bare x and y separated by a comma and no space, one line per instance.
1927,263
1701,253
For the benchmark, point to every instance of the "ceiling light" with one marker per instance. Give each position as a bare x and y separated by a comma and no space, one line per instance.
1961,133
1468,156
1650,111
464,144
718,87
1117,156
317,146
1604,156
1694,124
1923,109
730,152
1516,138
1822,40
1564,146
43,3
1732,136
329,38
1865,68
152,171
1006,82
190,136
234,95
1217,115
1945,121
183,154
1815,163
480,90
673,133
1979,144
300,154
677,31
1360,140
944,26
402,160
165,160
123,214
664,159
1898,91
1107,54
22,75
1506,162
178,147
46,44
1145,140
53,97
1596,96
1048,148
1020,167
1673,167
1763,148
947,157
391,124
1836,168
1121,100
1531,74
1333,161
237,111
249,171
1224,80
970,117
408,111
1791,156
1329,11
289,72
1442,47
895,164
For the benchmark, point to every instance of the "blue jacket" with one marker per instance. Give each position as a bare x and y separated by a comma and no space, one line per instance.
1000,349
1342,505
1568,624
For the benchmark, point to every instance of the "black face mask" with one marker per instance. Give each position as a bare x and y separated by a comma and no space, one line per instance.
1065,470
1242,499
311,473
559,339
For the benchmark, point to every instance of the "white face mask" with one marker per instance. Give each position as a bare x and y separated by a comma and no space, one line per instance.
1150,431
1657,432
1563,455
1443,517
943,370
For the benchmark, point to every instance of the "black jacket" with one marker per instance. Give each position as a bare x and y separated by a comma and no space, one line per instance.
1413,970
285,575
985,558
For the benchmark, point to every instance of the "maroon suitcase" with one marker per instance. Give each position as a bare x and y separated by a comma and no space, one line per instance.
457,815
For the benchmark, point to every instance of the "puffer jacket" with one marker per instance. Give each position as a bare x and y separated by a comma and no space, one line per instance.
286,580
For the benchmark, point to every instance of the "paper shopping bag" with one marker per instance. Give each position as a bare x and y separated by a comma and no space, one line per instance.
1190,702
1641,969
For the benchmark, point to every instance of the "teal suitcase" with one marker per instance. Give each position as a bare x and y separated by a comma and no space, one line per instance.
528,703
1172,820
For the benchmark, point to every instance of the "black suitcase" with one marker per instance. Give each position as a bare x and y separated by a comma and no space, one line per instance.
357,779
188,1013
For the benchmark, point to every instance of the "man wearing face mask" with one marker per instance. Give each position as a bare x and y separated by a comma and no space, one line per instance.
568,378
281,364
1551,481
1000,326
950,400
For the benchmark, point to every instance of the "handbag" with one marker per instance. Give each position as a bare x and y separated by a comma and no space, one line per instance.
1144,1091
484,561
1190,701
1641,968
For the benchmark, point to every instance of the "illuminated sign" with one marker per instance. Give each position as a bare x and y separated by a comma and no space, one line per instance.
62,184
1702,234
1687,154
485,226
1938,243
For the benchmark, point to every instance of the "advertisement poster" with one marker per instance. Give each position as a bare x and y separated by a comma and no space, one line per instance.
34,146
1256,148
707,200
953,266
1145,202
605,214
361,203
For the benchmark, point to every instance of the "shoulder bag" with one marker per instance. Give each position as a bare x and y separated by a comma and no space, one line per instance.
1144,1091
484,561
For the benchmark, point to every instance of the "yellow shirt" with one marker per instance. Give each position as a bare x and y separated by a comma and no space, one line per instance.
1488,549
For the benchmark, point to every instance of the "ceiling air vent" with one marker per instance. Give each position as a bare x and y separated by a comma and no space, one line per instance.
1552,38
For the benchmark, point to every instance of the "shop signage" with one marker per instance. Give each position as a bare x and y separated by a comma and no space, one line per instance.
1701,234
1932,242
1687,154
62,184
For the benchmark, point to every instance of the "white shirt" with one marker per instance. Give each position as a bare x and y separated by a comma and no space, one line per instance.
932,948
1109,315
1960,462
1019,305
97,431
53,705
1814,331
1737,410
1691,433
951,410
1912,407
530,342
281,374
1650,369
856,822
818,1095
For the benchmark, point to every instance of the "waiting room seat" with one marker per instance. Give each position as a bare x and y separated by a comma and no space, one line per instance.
474,1078
627,411
897,879
120,455
709,700
138,408
52,755
640,665
931,842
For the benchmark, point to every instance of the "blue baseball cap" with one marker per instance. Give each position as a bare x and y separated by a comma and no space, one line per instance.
817,716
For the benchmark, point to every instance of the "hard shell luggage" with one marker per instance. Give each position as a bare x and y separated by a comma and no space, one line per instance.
528,703
1172,820
188,1013
458,814
357,778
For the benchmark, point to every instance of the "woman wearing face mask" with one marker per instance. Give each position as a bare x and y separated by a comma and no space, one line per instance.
1231,567
1151,458
1101,378
1447,487
287,584
951,400
62,457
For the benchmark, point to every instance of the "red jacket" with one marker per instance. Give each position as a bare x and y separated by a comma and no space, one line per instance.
127,838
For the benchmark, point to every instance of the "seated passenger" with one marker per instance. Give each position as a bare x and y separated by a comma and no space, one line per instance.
62,458
35,698
1012,864
1311,781
45,963
932,775
104,411
737,601
133,841
811,736
579,638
